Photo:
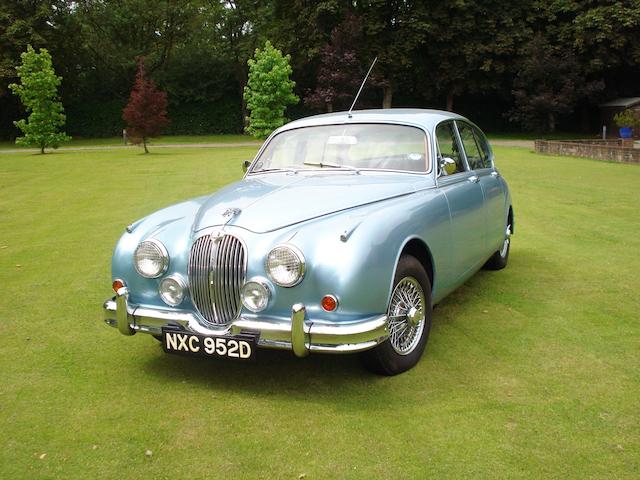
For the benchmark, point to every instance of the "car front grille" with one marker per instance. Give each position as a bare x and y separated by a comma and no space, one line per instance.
217,270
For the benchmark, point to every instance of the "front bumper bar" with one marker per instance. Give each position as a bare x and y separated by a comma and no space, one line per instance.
299,333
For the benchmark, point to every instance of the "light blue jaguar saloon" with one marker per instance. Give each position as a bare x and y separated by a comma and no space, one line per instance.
344,232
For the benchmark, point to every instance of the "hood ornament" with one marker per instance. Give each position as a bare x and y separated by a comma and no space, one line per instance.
230,213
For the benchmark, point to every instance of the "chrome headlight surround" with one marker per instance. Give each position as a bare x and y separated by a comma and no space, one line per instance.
252,289
152,247
285,265
172,290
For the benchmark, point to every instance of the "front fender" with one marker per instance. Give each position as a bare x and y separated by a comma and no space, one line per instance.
172,227
353,255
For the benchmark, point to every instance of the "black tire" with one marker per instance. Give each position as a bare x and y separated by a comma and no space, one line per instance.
500,258
385,359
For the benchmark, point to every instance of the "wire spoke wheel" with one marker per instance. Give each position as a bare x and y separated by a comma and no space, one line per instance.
408,320
406,315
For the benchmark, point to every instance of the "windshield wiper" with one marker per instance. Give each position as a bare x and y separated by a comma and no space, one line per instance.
285,169
332,165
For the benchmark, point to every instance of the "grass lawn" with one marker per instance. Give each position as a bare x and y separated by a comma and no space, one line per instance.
183,139
531,372
164,140
538,136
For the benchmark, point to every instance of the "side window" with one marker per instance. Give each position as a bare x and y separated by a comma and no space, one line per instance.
448,145
485,150
471,149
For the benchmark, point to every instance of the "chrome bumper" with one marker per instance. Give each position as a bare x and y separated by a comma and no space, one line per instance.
299,333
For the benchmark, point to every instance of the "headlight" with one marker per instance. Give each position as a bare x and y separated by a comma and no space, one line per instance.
255,295
151,259
285,265
172,290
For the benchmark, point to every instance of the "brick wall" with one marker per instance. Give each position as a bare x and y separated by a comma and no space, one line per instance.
610,150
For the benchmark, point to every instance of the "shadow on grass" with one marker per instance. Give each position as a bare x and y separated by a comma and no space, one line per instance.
317,377
274,373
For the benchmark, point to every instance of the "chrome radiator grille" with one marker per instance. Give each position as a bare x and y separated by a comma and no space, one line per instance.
217,270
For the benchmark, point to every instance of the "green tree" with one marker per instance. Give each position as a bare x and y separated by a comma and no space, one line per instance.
550,83
269,90
392,32
469,47
38,92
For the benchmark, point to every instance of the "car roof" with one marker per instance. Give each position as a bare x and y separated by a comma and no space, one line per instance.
415,116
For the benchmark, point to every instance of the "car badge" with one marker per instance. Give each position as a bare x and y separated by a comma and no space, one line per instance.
231,212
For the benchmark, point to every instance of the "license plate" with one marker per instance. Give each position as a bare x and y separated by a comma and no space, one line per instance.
239,347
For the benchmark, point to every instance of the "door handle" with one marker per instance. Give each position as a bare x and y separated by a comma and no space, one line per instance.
474,179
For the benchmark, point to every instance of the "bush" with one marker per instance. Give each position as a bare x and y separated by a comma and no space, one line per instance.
103,118
99,118
627,118
202,118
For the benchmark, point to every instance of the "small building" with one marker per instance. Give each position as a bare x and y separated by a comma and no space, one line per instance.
612,107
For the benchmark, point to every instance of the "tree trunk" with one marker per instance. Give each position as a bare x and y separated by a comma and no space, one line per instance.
243,104
144,143
329,107
387,96
42,148
551,121
241,78
450,101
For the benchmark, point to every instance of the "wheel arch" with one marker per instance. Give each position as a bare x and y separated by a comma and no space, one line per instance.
511,219
417,248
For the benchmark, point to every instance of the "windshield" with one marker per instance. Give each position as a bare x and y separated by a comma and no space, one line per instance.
355,146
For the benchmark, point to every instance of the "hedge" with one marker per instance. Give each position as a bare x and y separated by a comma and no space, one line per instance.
104,118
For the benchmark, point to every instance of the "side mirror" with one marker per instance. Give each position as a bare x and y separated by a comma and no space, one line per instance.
245,165
447,166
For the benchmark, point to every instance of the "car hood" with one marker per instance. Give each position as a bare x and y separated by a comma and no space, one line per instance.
268,202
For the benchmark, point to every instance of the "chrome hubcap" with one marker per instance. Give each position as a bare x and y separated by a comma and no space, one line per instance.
406,315
507,241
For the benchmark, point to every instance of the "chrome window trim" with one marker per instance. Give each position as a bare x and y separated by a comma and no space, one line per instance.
458,140
461,147
427,145
473,129
484,139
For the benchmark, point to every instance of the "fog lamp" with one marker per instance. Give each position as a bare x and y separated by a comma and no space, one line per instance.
255,295
172,290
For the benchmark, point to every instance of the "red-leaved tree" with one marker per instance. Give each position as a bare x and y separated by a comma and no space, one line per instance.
340,71
146,112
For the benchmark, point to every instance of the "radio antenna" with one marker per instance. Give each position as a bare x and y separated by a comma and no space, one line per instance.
362,86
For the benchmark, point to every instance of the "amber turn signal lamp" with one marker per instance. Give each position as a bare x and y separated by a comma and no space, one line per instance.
117,285
329,303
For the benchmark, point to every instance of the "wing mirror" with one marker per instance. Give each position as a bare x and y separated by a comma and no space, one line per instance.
447,166
245,165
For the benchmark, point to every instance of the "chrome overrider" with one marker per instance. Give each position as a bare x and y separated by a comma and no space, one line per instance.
299,333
